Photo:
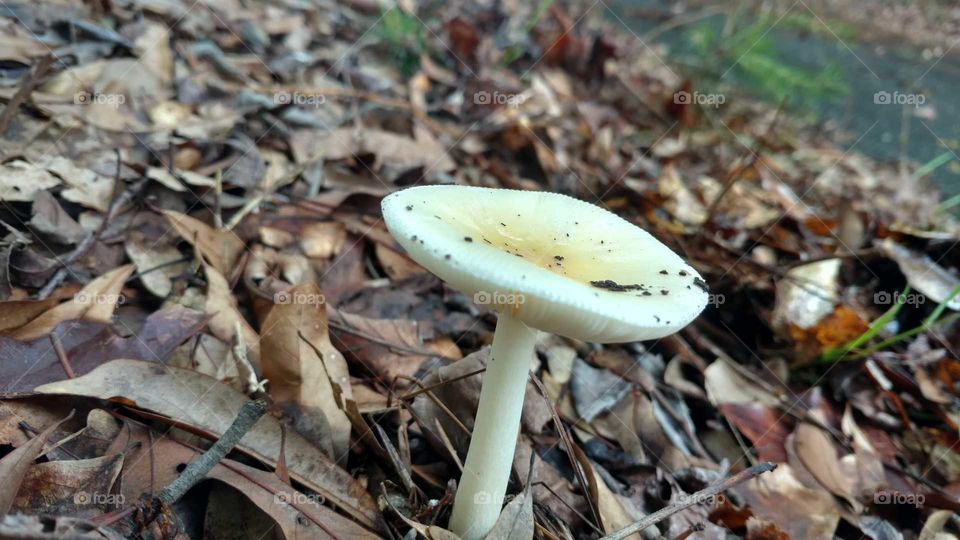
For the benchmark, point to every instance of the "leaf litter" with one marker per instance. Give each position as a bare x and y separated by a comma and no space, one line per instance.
191,221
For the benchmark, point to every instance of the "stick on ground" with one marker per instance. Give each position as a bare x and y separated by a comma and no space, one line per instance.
691,500
198,468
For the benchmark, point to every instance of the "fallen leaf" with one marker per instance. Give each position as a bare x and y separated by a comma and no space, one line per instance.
21,181
52,221
15,465
198,400
461,398
923,274
153,463
398,150
95,302
90,344
396,266
225,317
16,313
82,487
799,511
806,294
295,371
323,239
156,263
516,519
219,247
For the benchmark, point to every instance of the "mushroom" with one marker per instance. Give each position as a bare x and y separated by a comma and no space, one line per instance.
543,261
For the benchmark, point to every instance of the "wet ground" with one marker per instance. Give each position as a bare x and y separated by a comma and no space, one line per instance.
892,100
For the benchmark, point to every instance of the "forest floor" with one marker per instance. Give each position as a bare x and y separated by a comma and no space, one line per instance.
174,173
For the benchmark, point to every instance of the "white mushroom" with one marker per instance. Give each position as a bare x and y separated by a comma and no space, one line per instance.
547,262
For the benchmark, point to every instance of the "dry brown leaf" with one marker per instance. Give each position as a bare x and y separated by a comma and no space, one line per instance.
15,465
82,487
225,318
20,181
801,512
391,148
295,372
152,463
818,455
52,221
83,186
219,247
516,519
323,239
613,515
396,266
154,262
95,302
16,313
205,403
286,506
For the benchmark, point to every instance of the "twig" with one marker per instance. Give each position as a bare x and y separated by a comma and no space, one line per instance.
91,238
691,500
253,387
62,356
198,468
26,87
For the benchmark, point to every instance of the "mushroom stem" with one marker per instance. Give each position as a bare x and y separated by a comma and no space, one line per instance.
494,439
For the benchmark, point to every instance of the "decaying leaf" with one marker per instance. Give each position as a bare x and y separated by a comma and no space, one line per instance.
15,465
177,392
218,247
923,273
225,318
301,363
95,302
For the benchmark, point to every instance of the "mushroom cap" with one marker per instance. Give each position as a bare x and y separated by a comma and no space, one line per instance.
558,264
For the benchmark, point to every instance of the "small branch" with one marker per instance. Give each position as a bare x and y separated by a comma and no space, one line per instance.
691,500
91,239
198,468
26,87
62,356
